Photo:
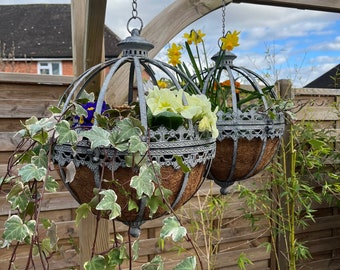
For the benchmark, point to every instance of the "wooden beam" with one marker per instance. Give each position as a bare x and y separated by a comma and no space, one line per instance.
88,17
320,5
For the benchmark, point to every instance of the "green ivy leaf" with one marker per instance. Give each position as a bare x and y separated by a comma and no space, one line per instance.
108,202
155,264
51,184
65,133
41,137
97,262
143,182
132,205
82,212
98,136
31,172
114,258
135,249
188,263
52,235
137,145
15,229
54,109
171,227
80,110
20,201
41,159
127,130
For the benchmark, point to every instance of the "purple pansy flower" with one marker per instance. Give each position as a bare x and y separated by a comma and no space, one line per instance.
90,107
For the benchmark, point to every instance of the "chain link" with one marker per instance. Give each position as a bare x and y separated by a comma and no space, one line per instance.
134,9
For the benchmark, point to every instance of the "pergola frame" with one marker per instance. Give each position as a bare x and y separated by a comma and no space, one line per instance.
88,18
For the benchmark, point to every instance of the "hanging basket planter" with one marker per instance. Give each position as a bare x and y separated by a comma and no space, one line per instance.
176,153
249,122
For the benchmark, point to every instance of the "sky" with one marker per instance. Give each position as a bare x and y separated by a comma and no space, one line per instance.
276,42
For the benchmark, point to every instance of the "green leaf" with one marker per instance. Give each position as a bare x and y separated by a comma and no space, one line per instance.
41,159
108,202
132,205
171,227
21,200
137,145
52,235
135,249
180,162
15,190
32,172
54,109
97,262
51,184
187,264
127,130
82,212
114,258
171,120
98,136
143,182
15,229
65,133
41,137
155,264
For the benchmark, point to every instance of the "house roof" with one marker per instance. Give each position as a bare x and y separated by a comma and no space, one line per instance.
330,79
42,31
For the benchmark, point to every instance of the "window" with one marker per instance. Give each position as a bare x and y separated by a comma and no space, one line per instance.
51,68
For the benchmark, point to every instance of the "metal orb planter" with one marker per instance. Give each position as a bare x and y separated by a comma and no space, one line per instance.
94,167
249,127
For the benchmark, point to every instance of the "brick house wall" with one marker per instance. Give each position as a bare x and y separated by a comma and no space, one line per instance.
32,67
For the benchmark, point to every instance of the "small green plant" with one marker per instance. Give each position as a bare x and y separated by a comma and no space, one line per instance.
306,162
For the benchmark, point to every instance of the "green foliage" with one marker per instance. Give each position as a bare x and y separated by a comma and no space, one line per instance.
243,261
172,228
306,161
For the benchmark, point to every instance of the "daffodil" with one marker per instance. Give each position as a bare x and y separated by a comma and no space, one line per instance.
230,41
174,54
194,37
162,84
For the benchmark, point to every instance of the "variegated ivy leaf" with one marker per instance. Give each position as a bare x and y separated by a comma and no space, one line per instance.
65,133
188,263
16,229
108,202
155,264
51,184
80,110
31,172
98,136
127,129
82,212
137,145
97,262
21,200
41,159
172,228
143,183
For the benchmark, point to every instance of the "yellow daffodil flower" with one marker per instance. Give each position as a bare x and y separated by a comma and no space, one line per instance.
194,37
230,41
162,84
174,54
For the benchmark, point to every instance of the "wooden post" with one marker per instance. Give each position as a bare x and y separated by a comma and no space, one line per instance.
88,18
284,89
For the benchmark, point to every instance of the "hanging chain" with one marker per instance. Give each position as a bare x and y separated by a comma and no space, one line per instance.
134,9
134,14
223,18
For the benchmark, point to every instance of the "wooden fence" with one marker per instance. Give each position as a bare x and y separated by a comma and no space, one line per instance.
22,96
